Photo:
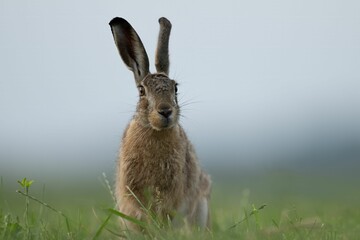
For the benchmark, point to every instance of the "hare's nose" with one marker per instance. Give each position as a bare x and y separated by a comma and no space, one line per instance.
164,109
165,112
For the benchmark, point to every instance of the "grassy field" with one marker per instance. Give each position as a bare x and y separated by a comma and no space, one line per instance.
267,205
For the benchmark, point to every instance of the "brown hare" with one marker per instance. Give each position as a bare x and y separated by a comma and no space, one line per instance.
157,162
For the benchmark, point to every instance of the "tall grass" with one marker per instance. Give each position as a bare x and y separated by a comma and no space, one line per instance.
235,215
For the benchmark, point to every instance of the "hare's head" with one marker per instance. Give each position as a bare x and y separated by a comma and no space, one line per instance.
157,107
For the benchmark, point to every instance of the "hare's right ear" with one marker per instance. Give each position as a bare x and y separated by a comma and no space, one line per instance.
130,47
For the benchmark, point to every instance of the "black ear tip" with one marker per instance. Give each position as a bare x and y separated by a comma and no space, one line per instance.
164,21
117,20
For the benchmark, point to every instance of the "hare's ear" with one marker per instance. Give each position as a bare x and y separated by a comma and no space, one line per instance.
130,47
162,50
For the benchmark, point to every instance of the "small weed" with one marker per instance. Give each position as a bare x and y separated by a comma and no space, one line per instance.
26,184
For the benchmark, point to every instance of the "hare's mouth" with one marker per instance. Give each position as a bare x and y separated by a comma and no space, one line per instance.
159,122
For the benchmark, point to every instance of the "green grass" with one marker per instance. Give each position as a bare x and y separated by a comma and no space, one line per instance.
272,205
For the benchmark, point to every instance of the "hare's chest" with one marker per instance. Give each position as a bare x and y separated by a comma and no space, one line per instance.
155,166
153,161
162,170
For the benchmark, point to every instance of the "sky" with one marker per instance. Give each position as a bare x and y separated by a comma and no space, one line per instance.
259,80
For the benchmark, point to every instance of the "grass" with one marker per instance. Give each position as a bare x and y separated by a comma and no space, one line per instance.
262,206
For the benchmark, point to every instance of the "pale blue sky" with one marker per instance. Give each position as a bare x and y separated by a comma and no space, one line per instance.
265,78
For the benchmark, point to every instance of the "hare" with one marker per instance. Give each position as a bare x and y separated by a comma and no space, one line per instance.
157,166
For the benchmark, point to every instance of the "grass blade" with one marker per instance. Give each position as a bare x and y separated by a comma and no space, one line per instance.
98,232
127,217
247,216
49,207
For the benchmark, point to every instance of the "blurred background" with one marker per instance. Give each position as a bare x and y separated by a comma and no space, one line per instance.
269,88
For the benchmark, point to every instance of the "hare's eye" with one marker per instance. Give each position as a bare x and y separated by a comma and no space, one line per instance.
141,91
176,88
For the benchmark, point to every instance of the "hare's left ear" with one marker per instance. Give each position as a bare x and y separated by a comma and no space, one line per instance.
130,47
162,50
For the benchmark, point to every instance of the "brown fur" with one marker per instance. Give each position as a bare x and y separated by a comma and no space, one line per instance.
157,162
